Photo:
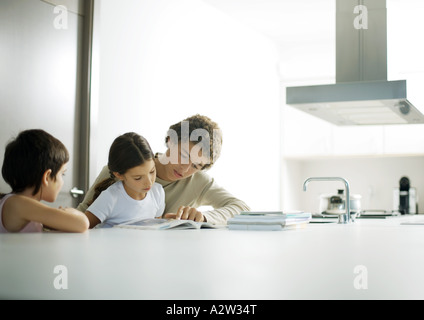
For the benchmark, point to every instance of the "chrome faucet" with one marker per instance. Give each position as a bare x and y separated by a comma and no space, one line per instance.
343,218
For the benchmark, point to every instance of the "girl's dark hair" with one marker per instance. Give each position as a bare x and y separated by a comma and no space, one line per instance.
28,156
127,151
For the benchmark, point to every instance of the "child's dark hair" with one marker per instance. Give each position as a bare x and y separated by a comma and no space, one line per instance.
29,156
127,151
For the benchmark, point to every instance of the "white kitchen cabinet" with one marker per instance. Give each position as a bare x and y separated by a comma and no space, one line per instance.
403,139
353,140
305,136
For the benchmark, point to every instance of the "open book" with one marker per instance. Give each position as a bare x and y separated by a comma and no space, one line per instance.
164,224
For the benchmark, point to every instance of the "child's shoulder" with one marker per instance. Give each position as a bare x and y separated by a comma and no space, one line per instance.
16,216
157,194
15,199
157,189
113,191
114,187
157,186
4,197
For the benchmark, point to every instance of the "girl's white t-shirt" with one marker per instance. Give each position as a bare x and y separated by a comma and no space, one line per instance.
115,206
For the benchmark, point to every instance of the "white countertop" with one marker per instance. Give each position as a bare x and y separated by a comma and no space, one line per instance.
316,262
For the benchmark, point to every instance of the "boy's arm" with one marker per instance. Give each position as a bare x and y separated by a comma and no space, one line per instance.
20,210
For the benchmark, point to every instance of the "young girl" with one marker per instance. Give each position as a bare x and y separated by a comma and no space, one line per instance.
135,195
34,165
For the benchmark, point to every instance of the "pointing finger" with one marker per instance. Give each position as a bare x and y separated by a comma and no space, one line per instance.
179,213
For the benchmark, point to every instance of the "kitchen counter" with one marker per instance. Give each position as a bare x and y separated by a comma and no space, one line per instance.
369,259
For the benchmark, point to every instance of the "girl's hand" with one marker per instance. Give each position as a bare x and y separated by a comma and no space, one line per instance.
186,213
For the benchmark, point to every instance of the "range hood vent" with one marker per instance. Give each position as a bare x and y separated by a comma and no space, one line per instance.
361,95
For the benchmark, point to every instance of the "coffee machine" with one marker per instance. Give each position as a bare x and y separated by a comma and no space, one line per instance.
405,197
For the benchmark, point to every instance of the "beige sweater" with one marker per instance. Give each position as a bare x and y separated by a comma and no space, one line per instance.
195,191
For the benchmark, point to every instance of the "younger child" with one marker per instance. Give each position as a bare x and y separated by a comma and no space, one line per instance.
34,165
135,195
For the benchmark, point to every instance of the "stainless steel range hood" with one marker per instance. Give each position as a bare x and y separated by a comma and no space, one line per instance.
361,95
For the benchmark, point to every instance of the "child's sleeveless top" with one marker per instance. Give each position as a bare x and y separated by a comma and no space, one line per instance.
30,227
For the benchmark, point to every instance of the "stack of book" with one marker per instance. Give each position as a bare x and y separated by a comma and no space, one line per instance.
268,220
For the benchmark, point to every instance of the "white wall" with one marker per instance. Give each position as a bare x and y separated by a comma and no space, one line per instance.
164,60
